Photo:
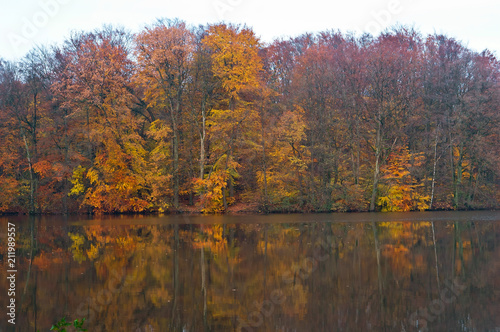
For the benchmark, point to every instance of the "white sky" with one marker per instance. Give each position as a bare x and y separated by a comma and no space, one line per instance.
25,23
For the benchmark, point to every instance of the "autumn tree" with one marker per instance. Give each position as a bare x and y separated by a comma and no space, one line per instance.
459,98
23,86
287,162
392,71
96,88
164,58
13,153
236,64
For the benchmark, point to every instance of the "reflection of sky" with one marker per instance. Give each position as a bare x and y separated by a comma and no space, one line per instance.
475,23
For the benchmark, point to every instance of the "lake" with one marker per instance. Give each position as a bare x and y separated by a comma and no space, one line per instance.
437,271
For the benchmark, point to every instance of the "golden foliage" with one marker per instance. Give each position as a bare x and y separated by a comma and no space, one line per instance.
211,188
402,191
287,159
235,57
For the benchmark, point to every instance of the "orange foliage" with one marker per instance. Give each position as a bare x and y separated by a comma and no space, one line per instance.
403,191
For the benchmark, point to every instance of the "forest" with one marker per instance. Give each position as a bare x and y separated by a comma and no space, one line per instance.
209,119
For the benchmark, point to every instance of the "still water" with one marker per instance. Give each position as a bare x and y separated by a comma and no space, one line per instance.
437,271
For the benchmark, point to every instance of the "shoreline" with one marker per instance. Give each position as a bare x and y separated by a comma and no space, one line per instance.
233,212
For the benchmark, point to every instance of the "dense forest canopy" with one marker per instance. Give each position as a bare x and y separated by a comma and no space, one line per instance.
208,118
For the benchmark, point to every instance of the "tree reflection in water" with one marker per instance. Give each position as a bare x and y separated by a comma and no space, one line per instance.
264,273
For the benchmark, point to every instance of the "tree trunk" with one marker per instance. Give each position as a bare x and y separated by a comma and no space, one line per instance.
67,187
175,164
458,178
32,177
224,199
264,169
264,165
452,163
358,149
434,169
377,165
202,142
175,152
476,184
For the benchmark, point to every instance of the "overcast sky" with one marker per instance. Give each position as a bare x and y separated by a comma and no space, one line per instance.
25,23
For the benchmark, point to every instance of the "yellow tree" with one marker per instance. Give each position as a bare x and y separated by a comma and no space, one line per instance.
402,191
287,160
236,64
164,57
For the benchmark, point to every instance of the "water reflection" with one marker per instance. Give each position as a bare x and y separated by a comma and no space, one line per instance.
260,273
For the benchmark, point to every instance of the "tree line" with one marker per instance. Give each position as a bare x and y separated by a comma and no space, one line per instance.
204,118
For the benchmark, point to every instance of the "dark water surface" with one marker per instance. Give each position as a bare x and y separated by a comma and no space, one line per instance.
325,272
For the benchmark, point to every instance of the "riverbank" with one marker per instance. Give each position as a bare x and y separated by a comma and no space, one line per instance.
240,209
